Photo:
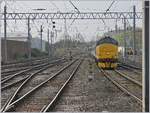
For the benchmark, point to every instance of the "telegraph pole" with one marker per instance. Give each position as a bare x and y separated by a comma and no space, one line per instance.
65,32
41,35
5,35
29,39
53,36
48,43
125,38
146,56
52,43
134,47
56,34
116,27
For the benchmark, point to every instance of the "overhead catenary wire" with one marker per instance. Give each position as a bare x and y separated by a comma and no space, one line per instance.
79,12
110,6
104,22
106,12
55,6
74,6
75,9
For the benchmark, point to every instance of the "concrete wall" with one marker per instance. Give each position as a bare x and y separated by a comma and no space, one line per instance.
14,48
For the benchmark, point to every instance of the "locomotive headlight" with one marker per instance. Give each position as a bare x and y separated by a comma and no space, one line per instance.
107,53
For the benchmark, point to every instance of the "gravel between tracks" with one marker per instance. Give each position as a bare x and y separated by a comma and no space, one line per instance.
36,101
92,92
131,74
38,78
88,91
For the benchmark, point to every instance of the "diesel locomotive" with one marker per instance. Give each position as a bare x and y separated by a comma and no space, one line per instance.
107,53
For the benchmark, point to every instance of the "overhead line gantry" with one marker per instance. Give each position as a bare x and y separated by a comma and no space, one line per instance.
70,15
6,16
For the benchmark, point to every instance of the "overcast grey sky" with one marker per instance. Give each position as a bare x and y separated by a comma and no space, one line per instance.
88,28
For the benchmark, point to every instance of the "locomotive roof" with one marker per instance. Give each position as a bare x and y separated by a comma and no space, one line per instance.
107,39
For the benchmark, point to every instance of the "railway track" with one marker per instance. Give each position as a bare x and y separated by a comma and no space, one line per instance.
125,83
7,74
137,76
131,68
129,65
21,93
8,85
13,70
10,71
16,78
23,63
52,103
31,62
24,70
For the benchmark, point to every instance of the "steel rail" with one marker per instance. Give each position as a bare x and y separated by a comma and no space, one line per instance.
14,83
26,80
122,88
131,66
21,72
14,95
14,70
49,106
24,64
129,78
135,71
27,70
11,72
24,61
5,73
9,104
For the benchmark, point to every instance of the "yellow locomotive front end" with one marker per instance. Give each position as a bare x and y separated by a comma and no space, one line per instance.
107,53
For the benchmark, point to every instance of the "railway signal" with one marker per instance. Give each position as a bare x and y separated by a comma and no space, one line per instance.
53,24
48,43
41,31
29,39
